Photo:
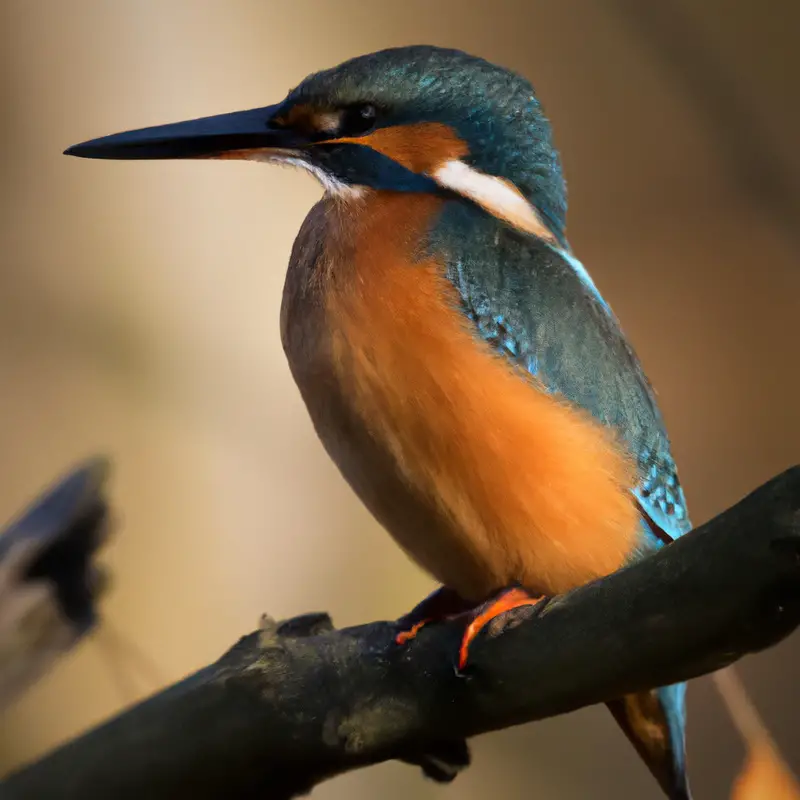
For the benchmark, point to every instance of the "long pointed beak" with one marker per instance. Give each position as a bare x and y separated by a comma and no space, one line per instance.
197,138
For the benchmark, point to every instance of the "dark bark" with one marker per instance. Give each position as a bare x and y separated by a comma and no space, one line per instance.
300,702
49,582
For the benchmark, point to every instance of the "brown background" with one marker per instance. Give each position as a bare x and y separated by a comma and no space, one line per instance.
139,305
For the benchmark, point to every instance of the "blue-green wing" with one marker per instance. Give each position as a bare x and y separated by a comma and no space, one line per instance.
540,309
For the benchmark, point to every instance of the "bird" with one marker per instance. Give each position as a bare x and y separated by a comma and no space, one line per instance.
457,361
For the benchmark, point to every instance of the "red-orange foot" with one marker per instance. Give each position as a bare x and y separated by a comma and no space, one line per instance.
406,636
507,600
440,605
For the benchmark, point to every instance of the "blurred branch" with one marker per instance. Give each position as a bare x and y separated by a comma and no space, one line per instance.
48,584
745,145
299,702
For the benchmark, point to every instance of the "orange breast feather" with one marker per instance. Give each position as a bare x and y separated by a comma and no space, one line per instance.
540,489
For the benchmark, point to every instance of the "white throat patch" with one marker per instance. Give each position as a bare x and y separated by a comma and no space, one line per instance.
290,158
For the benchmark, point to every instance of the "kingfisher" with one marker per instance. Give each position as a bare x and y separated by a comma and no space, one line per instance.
457,361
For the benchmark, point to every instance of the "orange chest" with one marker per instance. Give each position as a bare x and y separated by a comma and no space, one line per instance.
515,485
356,284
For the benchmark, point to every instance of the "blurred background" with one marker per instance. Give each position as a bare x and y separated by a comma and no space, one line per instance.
139,317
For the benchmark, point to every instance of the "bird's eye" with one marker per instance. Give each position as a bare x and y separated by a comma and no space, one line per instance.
359,119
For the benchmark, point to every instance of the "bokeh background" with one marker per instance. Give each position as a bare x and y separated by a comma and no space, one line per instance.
139,317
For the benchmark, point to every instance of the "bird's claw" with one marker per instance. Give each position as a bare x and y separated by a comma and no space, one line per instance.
407,635
441,607
491,612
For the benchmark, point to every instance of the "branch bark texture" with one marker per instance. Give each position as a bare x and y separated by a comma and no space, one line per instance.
49,583
299,702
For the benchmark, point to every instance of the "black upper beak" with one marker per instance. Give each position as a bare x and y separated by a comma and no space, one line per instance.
196,138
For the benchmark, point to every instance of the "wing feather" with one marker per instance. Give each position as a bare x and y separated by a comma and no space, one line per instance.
539,308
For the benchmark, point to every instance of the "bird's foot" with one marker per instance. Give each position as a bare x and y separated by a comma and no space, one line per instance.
406,636
441,605
438,606
490,612
445,604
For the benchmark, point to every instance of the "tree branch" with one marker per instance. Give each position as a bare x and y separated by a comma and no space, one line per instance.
48,582
299,702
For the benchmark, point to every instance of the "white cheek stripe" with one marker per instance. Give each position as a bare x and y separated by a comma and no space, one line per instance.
496,195
502,199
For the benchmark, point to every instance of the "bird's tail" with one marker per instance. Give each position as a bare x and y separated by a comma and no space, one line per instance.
655,723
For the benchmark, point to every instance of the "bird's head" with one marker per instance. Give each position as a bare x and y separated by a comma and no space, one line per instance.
408,119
